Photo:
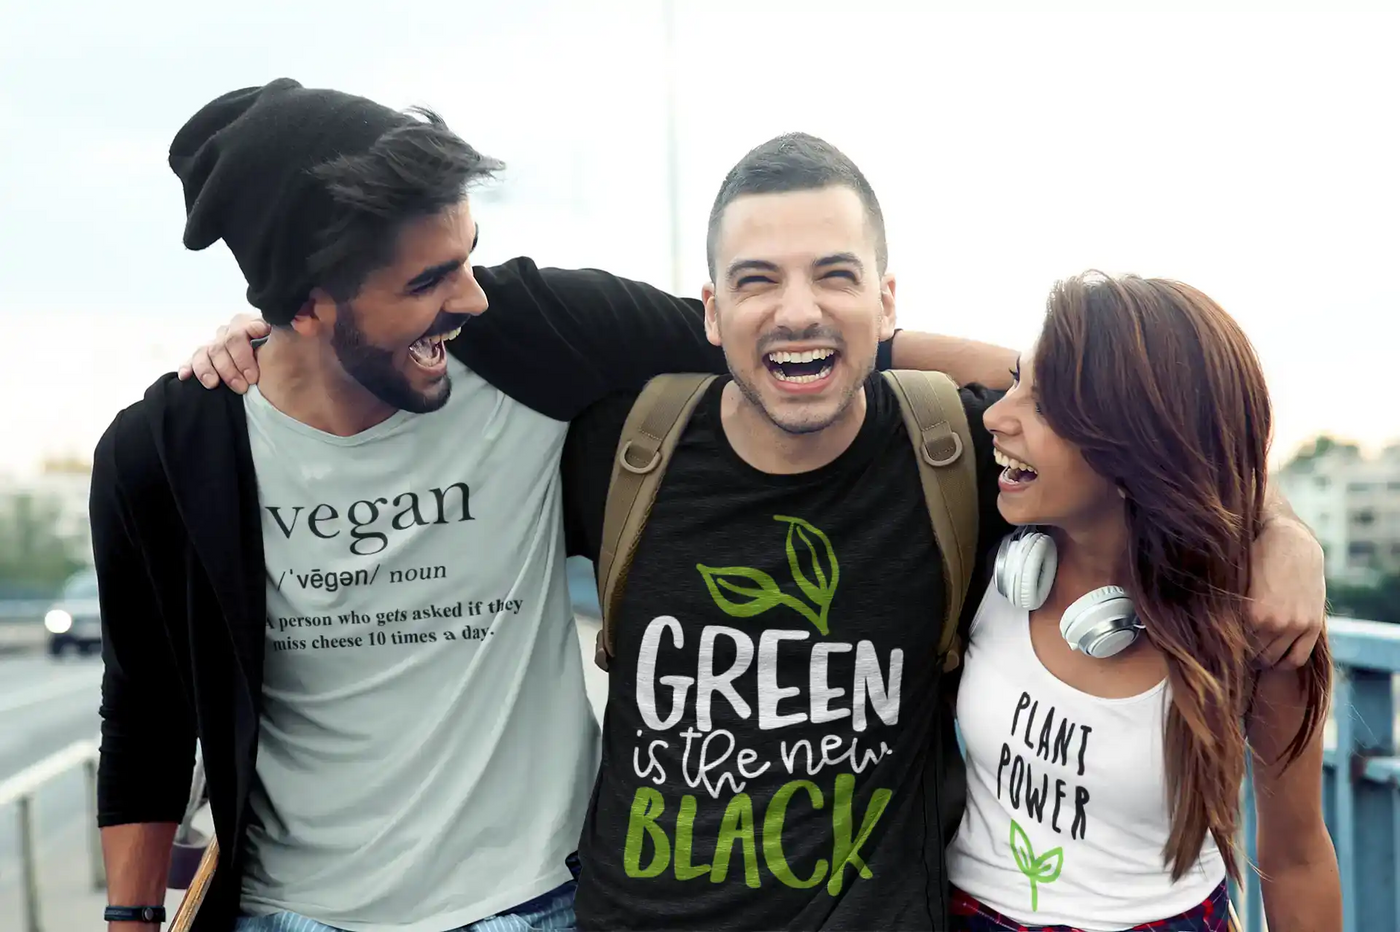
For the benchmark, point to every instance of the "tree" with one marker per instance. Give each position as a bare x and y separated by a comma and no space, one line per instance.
34,560
1380,602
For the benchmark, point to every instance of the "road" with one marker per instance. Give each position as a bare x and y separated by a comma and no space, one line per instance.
47,704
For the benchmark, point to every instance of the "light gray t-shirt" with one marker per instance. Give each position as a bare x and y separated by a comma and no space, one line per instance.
427,747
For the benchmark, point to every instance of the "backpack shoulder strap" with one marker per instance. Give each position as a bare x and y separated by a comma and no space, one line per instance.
654,425
937,426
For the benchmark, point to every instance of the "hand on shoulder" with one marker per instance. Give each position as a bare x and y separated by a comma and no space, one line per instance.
230,358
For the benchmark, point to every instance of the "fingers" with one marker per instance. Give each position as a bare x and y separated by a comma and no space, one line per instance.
230,357
225,367
237,364
1275,650
202,366
243,360
1301,653
1289,650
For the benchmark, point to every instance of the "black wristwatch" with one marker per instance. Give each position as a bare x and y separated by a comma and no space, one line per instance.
152,914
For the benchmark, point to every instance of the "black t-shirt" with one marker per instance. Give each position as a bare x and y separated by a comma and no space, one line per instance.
778,749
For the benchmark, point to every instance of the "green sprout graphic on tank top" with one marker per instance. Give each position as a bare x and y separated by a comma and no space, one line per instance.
1038,870
743,591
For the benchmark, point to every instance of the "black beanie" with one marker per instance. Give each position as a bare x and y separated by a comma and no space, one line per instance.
244,160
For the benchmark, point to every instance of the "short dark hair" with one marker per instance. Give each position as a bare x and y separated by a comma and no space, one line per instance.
412,171
795,162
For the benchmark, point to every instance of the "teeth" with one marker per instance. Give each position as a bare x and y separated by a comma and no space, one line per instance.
808,356
1010,462
826,371
442,337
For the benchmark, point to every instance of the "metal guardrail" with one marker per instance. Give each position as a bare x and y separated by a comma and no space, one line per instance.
21,789
1361,782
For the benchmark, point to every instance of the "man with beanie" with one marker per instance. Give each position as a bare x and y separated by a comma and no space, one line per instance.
348,583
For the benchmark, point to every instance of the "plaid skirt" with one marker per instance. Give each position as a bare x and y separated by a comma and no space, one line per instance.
1212,915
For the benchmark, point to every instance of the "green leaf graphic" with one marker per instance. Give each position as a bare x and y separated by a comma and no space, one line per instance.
813,591
1038,870
1021,849
756,599
822,591
1044,871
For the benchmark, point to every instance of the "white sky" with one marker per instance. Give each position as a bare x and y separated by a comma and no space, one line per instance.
1252,155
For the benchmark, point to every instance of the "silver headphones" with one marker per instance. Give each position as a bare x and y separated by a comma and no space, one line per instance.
1100,623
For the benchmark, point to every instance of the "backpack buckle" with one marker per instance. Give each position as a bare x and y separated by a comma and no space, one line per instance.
933,448
628,465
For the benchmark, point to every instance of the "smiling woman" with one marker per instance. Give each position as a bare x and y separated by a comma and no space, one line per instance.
1133,448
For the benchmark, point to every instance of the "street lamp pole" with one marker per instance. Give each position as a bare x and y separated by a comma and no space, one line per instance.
668,14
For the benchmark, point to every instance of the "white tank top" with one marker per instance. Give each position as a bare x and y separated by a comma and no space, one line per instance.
1067,818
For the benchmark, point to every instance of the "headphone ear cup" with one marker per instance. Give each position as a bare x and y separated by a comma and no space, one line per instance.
1100,623
1038,565
1025,568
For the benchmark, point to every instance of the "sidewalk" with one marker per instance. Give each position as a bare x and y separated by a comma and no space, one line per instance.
69,904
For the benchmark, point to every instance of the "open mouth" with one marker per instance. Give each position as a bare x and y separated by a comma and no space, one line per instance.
1014,473
802,367
428,351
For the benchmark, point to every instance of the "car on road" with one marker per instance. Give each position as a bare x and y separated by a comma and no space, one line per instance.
74,621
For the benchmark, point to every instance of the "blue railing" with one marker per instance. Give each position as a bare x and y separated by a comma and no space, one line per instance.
1361,782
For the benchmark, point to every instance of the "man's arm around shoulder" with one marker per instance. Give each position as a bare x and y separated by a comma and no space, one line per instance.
147,751
558,340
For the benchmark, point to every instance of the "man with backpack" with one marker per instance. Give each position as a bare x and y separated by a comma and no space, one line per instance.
777,749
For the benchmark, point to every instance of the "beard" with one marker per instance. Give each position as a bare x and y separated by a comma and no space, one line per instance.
374,368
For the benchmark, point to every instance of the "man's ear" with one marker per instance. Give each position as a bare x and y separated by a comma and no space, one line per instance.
887,313
316,315
707,294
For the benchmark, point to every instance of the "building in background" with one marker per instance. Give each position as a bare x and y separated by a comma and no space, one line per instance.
1352,504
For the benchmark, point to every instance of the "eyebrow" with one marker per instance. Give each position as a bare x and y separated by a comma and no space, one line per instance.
750,265
762,265
840,258
433,274
442,269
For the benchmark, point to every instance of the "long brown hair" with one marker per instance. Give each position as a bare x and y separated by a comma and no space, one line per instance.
1164,395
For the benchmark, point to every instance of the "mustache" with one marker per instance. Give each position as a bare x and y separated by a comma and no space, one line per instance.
446,323
812,334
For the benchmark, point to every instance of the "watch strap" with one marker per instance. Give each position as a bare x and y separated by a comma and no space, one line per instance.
150,914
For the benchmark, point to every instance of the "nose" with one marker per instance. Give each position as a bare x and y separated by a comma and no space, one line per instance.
467,296
798,308
999,418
